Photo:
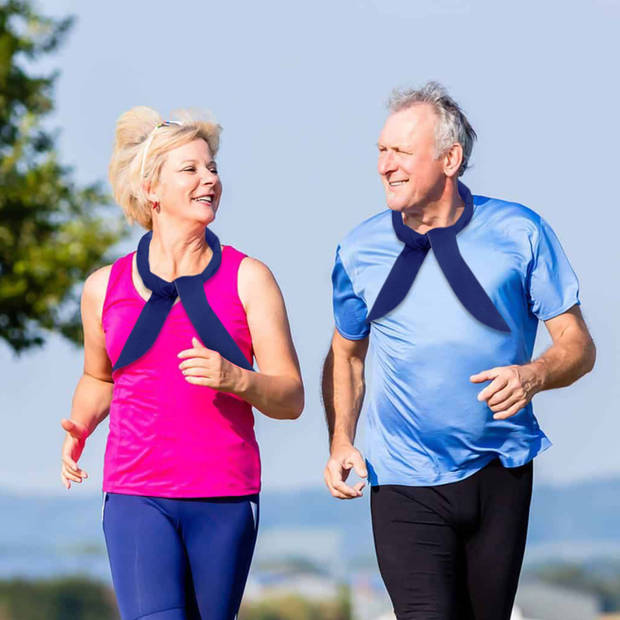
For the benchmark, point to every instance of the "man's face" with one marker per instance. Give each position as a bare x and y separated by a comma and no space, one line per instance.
412,175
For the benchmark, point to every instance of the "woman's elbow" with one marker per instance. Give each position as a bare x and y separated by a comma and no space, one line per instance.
297,404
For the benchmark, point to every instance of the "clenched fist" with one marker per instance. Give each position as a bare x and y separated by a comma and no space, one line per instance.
202,366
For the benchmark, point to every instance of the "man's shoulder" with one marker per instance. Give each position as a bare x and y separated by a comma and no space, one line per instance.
505,212
366,232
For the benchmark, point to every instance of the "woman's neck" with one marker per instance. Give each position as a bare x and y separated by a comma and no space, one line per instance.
174,252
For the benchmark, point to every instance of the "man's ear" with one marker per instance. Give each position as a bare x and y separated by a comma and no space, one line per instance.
452,160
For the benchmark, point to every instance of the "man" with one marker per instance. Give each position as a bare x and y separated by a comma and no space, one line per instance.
449,288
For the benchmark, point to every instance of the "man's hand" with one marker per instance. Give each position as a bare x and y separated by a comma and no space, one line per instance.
511,388
203,366
344,458
71,451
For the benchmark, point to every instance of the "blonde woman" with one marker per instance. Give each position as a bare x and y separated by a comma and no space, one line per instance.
170,333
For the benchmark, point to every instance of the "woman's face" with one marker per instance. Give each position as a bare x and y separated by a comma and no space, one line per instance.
189,187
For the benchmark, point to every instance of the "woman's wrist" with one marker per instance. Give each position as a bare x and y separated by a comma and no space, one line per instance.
241,382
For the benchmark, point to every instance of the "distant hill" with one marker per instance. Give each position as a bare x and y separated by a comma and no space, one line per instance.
41,536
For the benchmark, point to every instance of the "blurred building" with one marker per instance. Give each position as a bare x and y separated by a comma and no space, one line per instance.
369,598
292,577
314,546
541,601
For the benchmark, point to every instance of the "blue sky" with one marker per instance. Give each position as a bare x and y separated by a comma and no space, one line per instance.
300,91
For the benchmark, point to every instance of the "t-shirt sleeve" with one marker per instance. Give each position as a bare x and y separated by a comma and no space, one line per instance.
350,310
553,285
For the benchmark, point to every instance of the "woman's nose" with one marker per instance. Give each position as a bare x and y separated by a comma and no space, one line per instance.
208,177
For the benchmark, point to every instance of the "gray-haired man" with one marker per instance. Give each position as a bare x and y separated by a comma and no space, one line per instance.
450,287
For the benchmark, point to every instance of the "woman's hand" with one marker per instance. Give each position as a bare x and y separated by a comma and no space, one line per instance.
71,451
203,366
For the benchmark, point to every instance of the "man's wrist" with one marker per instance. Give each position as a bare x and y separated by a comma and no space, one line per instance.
340,441
539,375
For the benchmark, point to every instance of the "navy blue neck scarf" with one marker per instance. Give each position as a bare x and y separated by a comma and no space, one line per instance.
443,242
191,291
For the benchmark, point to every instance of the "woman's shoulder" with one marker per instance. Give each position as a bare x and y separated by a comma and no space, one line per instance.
248,266
96,283
254,269
94,291
255,281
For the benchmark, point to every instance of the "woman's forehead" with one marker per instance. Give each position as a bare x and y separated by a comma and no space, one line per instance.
197,149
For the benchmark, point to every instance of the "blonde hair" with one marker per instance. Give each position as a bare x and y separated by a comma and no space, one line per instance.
142,141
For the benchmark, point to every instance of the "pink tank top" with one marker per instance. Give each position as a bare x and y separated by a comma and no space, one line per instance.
169,438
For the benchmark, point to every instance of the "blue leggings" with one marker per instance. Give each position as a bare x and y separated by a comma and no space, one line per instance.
179,559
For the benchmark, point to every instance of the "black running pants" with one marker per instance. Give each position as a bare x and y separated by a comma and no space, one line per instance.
453,551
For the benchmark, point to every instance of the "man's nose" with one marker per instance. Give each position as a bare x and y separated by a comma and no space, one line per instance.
387,162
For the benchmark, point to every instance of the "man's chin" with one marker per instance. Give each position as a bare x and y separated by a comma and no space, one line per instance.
395,205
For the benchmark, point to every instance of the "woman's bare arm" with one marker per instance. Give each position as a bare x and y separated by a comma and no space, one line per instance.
93,394
277,390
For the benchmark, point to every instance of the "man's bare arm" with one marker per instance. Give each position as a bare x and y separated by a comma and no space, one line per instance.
571,356
343,394
572,353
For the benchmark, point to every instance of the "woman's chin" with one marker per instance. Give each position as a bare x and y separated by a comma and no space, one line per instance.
204,216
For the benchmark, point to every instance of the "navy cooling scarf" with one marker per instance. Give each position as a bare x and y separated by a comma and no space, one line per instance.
460,277
191,291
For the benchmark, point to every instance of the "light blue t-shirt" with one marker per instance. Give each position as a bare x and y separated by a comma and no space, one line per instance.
425,425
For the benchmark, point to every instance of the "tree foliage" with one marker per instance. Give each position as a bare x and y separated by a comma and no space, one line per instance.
52,232
59,599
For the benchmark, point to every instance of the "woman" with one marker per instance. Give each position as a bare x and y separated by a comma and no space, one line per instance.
169,335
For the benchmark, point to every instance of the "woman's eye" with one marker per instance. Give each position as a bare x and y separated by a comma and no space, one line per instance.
213,170
190,169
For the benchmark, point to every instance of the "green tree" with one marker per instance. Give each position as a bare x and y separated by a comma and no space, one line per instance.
52,232
59,599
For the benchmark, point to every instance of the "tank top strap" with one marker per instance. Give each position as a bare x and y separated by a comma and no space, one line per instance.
234,256
120,283
229,271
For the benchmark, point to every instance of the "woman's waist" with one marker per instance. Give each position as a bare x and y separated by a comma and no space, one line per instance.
218,419
172,454
152,471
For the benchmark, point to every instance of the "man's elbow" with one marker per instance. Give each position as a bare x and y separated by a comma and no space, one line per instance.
589,356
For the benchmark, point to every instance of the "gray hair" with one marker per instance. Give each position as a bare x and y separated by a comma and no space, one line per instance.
452,124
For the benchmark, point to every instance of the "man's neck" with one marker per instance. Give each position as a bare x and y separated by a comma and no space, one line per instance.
439,212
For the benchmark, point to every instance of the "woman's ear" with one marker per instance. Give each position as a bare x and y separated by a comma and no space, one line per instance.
148,190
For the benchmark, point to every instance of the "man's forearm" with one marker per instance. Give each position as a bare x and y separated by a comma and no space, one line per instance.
568,359
91,401
343,394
